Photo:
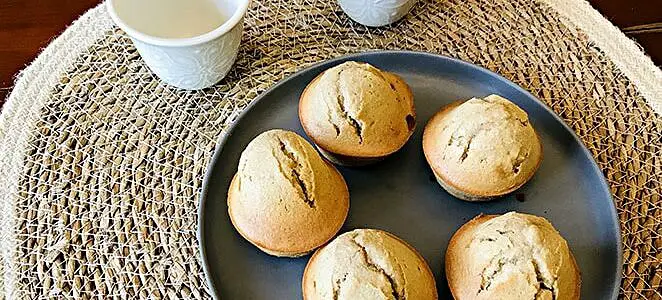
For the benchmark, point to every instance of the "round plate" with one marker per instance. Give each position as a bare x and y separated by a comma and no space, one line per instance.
400,194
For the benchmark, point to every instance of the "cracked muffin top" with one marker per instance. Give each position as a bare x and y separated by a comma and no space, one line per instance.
357,110
511,256
284,198
481,148
368,264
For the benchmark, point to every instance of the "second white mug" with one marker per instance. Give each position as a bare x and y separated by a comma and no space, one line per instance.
375,13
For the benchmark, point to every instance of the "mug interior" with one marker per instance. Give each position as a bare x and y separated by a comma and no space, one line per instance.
229,8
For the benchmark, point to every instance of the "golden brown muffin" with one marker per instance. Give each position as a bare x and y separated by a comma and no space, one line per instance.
357,114
285,199
512,256
482,148
368,264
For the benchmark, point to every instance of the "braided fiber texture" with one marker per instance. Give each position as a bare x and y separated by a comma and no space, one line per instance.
102,202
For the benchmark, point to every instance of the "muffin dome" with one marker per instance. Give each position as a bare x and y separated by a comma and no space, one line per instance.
482,148
368,264
511,256
356,113
285,199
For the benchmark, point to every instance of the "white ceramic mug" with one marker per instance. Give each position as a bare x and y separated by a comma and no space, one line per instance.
190,63
376,13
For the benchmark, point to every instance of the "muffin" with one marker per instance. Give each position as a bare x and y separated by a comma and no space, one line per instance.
368,264
511,256
357,114
285,199
482,148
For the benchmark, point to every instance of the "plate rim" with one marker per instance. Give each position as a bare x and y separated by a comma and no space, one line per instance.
224,138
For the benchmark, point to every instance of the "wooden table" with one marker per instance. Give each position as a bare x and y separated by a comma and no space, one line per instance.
28,26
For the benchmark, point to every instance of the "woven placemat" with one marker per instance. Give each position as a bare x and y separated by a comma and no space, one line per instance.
102,163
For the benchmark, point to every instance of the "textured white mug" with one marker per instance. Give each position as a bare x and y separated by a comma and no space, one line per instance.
376,13
190,63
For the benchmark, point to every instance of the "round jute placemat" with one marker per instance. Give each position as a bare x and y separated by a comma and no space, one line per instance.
102,163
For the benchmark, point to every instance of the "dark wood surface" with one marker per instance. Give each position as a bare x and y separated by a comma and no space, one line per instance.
28,26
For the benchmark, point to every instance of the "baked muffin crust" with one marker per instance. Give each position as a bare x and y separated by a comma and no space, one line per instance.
368,264
357,110
284,198
481,148
511,256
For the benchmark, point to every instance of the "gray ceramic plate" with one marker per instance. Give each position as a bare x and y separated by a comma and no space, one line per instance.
400,194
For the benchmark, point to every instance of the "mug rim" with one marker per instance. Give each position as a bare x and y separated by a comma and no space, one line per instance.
237,16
